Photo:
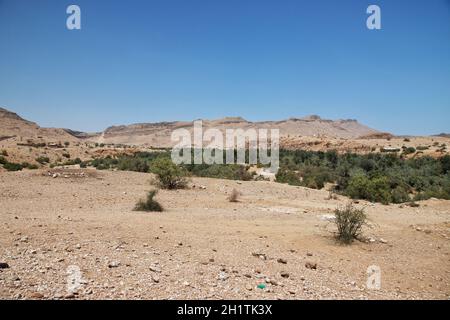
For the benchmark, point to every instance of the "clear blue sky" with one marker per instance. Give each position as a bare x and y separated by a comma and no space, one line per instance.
144,61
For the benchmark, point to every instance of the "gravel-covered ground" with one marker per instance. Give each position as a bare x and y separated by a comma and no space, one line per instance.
205,247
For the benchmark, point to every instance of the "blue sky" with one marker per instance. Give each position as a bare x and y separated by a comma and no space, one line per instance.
145,61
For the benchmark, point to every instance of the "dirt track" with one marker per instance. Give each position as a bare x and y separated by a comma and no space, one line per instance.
203,246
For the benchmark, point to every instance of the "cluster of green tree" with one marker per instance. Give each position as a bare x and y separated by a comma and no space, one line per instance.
145,162
376,177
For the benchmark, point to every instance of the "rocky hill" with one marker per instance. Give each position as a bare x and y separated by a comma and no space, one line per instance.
158,134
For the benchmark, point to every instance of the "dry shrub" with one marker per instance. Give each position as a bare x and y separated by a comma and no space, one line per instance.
234,196
349,221
149,204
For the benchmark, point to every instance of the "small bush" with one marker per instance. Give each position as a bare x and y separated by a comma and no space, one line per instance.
43,160
234,196
12,166
409,150
169,175
149,204
349,222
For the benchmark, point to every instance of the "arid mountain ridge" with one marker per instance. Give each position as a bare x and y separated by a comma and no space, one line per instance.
158,134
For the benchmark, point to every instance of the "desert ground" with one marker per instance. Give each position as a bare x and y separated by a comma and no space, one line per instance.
205,247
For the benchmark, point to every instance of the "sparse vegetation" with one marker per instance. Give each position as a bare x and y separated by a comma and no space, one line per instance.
234,196
169,175
349,222
12,166
4,153
43,160
149,204
385,178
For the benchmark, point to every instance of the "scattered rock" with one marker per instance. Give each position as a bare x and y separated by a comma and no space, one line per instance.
311,265
155,269
36,295
281,260
113,264
155,278
262,256
284,274
223,276
4,265
309,254
273,282
328,217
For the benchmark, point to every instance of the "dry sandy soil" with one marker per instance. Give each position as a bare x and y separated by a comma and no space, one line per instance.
204,247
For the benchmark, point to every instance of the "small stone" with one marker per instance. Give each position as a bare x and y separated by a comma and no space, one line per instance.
155,278
155,269
186,284
113,264
292,291
36,295
223,276
311,265
284,274
382,240
247,275
273,282
69,296
4,265
309,254
78,246
249,287
281,260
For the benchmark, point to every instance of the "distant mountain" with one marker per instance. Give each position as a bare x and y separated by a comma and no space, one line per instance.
443,135
12,125
158,134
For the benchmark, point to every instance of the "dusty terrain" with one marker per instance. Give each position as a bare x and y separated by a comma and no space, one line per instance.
205,247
